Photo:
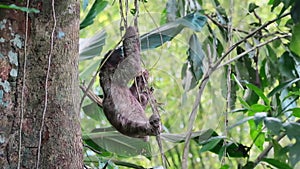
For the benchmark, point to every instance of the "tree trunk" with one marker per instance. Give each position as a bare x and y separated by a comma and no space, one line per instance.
39,110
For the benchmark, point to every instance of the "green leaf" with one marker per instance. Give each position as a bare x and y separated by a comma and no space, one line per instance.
286,65
195,57
244,103
249,165
221,13
94,111
236,150
259,92
210,141
250,97
97,7
163,17
276,163
283,86
91,47
24,9
222,18
296,112
295,42
194,64
120,144
252,7
226,166
233,149
259,108
96,147
260,139
167,32
256,129
274,4
273,124
210,144
220,151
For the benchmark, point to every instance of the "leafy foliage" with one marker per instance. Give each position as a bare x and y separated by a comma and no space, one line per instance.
245,61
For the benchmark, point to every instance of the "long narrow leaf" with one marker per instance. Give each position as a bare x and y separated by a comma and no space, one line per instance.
276,163
282,86
259,92
167,32
119,144
24,9
91,47
97,7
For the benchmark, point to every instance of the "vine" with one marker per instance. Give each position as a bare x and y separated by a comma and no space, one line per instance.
46,84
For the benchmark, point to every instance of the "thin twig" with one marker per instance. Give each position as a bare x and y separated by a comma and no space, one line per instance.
253,48
126,13
225,26
122,15
92,95
257,17
46,86
21,113
192,119
228,105
228,77
271,34
136,5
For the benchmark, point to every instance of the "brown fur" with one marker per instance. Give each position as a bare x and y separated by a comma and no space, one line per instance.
123,106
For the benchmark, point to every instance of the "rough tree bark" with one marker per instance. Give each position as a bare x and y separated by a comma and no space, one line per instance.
60,139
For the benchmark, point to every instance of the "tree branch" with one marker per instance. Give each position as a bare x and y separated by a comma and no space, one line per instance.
91,95
252,49
225,26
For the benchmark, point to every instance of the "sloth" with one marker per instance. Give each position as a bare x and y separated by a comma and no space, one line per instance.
124,107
